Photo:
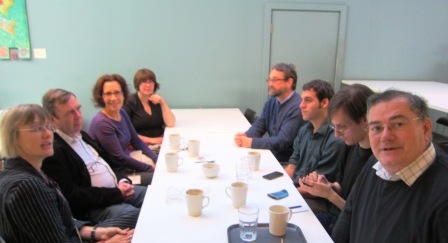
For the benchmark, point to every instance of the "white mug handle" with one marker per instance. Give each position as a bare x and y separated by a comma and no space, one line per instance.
208,201
229,192
180,161
290,215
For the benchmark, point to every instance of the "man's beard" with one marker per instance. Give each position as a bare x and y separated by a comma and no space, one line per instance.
275,93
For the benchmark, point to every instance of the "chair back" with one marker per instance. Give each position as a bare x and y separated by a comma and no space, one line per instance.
250,115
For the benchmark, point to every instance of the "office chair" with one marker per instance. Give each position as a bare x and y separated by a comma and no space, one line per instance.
250,115
440,138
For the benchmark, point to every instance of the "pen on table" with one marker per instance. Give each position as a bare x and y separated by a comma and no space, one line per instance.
293,207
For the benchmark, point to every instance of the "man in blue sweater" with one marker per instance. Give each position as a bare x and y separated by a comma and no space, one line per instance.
281,117
402,196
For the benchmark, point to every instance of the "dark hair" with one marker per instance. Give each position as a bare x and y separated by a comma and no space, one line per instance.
53,97
143,75
289,70
322,88
417,104
98,88
352,100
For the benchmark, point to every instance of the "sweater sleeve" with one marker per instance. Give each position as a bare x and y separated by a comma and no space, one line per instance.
282,126
105,132
35,210
258,129
136,142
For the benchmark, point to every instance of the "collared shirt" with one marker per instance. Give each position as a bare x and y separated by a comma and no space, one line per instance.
320,151
100,172
287,98
410,173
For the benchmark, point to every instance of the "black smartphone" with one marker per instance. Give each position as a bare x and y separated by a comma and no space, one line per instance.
278,195
273,175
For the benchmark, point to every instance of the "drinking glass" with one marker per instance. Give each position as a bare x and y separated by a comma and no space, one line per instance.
248,216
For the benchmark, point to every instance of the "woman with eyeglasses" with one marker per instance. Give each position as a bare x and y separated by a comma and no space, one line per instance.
114,131
149,112
32,208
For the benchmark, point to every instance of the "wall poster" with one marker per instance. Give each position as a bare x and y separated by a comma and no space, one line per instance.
14,32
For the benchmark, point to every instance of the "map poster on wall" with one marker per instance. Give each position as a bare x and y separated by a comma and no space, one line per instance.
14,33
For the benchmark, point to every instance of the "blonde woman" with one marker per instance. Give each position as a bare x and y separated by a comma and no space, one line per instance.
32,208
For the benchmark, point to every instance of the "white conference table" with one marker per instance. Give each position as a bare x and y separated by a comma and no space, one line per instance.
434,92
165,219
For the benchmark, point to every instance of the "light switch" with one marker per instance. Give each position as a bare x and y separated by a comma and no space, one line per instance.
40,53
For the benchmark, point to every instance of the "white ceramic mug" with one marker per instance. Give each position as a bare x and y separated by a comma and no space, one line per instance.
210,170
278,219
254,159
193,148
173,161
237,191
175,141
195,202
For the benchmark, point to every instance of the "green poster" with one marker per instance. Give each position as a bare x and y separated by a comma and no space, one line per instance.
14,34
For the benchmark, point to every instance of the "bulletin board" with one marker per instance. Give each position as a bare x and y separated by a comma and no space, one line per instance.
14,32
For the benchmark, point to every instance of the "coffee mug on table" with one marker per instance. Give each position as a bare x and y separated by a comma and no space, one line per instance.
278,219
193,148
175,141
195,202
237,191
254,159
210,170
173,161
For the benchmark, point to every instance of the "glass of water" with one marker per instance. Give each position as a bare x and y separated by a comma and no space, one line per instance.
248,216
243,170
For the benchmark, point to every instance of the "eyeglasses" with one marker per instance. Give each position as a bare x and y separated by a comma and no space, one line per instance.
275,80
109,94
39,129
340,129
396,125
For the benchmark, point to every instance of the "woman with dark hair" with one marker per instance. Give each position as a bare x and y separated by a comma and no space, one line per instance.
113,130
32,208
149,112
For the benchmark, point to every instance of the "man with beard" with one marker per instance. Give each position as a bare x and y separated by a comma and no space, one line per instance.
281,117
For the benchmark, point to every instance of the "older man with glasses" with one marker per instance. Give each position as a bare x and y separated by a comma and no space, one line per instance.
402,195
93,189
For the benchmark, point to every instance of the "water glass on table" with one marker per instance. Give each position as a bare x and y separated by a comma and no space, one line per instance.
243,170
248,216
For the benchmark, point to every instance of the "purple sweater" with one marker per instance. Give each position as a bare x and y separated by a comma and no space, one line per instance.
116,136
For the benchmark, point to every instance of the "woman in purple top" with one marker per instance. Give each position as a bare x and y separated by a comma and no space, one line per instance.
113,129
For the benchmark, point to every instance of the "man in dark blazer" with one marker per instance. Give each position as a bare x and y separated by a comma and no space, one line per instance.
94,191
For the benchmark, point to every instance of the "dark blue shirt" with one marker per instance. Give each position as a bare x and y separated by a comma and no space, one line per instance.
281,122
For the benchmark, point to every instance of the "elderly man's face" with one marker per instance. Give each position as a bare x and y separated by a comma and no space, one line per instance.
397,135
69,119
